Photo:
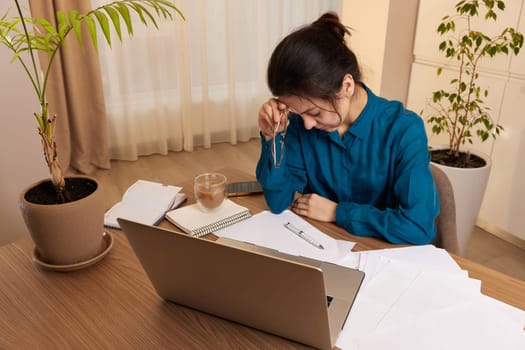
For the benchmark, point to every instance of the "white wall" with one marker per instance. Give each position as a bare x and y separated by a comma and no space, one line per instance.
368,20
502,208
382,39
21,156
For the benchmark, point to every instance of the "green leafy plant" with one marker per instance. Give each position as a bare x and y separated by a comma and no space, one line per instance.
460,111
26,36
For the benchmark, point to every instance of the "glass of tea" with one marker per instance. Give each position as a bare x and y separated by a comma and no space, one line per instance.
210,190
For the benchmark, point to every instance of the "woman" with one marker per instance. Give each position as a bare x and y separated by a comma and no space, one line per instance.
336,152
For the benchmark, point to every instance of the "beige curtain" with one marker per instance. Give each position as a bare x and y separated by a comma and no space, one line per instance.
76,96
196,82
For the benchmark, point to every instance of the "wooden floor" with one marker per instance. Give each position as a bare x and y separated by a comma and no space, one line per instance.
177,167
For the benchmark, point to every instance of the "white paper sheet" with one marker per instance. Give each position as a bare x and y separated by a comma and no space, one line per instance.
406,306
426,258
480,324
267,230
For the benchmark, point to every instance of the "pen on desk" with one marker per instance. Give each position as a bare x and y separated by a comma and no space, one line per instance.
303,235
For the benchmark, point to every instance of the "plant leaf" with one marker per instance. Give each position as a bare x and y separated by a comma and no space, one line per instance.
125,14
113,15
145,11
92,29
75,23
104,25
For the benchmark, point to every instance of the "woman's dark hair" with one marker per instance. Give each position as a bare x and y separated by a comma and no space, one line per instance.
313,60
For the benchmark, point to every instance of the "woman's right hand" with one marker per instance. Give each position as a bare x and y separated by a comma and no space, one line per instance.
272,113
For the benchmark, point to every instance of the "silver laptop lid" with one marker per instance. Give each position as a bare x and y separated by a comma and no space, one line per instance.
272,294
341,283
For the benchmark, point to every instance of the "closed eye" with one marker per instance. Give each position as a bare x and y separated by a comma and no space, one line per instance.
315,115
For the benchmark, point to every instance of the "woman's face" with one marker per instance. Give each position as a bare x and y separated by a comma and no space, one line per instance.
317,113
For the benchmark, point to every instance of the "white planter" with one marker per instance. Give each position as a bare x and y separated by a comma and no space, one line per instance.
469,186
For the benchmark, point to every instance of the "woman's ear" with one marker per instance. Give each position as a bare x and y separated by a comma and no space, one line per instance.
348,85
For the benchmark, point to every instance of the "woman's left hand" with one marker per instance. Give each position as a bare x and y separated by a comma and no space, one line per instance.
314,206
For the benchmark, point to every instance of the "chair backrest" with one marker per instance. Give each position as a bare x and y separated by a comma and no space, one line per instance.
446,236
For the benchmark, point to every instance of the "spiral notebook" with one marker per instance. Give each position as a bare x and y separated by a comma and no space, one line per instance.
192,220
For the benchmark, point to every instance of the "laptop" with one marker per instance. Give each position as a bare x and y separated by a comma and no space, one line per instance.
297,298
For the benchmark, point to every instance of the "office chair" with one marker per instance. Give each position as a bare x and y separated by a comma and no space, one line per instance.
446,236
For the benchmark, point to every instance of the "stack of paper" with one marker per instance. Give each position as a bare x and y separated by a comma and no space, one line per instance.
419,298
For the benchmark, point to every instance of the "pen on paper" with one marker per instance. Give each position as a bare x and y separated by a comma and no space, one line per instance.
303,235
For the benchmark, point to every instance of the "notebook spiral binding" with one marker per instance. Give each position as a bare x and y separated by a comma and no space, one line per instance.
202,231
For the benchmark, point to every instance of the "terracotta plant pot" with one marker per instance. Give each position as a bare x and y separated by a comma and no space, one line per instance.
68,233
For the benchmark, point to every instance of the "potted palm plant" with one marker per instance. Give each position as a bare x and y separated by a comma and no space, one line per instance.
64,215
459,110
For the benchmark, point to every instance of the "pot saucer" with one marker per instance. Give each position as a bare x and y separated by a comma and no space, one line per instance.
108,239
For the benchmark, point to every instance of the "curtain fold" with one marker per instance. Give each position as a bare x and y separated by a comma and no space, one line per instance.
75,95
199,81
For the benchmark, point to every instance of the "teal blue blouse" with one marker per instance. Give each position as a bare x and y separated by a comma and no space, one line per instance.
378,172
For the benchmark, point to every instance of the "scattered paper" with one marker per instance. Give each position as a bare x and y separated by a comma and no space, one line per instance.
418,298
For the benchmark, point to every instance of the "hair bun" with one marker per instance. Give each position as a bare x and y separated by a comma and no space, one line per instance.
330,20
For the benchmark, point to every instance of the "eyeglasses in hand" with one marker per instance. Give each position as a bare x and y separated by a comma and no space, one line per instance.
277,159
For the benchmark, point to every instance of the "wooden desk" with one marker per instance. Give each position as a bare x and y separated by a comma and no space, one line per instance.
113,305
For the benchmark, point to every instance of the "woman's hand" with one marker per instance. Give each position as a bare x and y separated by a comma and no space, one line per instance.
271,114
314,206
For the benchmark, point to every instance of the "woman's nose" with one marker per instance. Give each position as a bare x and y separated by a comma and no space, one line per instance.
309,122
